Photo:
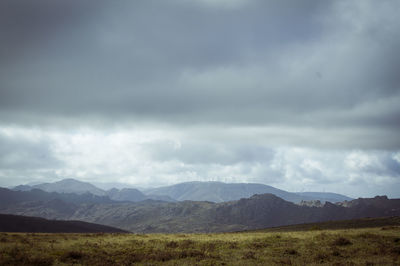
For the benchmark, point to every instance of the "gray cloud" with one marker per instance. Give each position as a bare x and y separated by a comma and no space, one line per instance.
207,152
234,87
153,157
191,62
19,153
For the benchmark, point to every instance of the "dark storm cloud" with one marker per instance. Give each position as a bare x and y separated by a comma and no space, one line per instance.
201,62
221,88
28,26
129,58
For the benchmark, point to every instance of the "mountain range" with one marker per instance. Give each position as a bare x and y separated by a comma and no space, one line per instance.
84,188
194,191
135,211
221,192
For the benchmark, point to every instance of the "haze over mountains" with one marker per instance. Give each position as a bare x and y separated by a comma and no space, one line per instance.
195,191
188,207
150,216
220,192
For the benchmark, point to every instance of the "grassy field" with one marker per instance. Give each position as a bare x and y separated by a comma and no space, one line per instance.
362,246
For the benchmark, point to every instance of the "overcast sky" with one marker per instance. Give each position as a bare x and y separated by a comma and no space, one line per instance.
300,95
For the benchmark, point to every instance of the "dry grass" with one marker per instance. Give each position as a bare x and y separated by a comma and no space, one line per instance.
370,246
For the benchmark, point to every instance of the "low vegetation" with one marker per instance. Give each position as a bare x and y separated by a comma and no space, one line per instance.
363,246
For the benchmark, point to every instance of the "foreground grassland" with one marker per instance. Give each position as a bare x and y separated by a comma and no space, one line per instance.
368,246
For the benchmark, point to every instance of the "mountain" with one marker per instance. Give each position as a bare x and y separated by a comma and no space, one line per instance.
83,188
18,223
221,192
195,191
37,202
22,188
126,194
325,196
8,196
134,195
71,186
149,216
256,212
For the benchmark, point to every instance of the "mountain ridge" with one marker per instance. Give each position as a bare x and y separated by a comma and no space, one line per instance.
220,192
150,216
213,191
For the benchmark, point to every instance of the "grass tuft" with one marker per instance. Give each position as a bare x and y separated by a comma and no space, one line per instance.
341,241
72,256
171,244
249,255
290,251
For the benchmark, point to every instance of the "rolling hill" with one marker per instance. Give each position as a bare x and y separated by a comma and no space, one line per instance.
18,223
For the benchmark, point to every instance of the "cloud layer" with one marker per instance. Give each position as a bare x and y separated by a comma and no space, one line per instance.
292,94
149,157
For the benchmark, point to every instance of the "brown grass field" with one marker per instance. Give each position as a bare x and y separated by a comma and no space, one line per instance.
309,246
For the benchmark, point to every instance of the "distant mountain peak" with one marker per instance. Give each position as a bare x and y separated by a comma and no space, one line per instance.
217,191
71,185
72,181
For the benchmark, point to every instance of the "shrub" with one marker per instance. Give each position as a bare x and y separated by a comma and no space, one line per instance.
321,257
341,241
395,250
233,245
72,255
209,246
291,251
315,228
186,244
192,253
368,236
249,255
163,255
44,261
135,257
171,244
336,253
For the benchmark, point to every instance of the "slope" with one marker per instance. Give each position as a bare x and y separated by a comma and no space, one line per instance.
18,223
221,192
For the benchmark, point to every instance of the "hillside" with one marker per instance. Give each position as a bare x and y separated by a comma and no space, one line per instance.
223,192
149,216
18,223
259,211
325,196
71,186
384,222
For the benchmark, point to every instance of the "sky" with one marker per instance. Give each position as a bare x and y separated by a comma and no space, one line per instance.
299,95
